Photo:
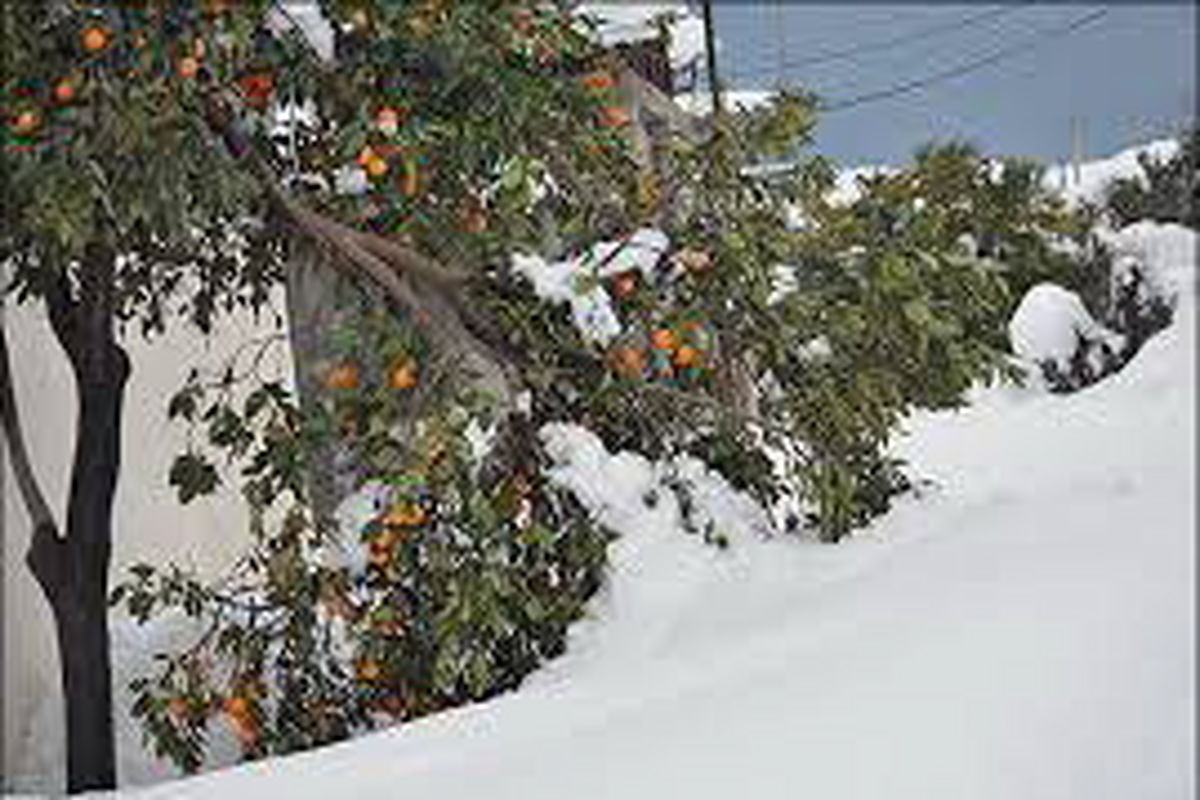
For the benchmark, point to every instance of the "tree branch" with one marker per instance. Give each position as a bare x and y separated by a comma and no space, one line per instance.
47,549
27,483
414,281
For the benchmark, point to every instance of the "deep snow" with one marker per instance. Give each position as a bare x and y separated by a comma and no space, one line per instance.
1023,629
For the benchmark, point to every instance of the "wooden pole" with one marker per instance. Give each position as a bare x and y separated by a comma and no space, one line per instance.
710,49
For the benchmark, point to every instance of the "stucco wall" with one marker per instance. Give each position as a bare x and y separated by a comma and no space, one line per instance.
150,525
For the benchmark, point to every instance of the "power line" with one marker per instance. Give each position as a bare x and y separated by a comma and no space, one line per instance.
855,52
967,67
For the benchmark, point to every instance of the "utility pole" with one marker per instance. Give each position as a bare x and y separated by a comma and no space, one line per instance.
1078,132
710,49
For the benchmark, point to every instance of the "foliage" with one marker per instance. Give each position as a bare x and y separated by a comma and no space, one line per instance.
462,579
1169,191
783,355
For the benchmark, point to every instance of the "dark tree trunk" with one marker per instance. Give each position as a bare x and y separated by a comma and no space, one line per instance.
73,571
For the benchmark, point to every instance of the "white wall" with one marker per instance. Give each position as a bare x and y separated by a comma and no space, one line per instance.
150,524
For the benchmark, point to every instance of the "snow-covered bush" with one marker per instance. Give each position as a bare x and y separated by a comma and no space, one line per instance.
1052,331
1168,190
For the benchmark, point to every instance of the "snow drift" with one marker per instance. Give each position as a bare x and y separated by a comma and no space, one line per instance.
1024,628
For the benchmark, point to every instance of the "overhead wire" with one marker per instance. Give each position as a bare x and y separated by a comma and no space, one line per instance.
1003,54
855,52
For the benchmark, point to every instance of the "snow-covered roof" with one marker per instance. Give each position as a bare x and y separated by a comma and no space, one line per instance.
632,22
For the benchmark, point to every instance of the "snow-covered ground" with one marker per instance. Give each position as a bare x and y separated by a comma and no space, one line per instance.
1022,629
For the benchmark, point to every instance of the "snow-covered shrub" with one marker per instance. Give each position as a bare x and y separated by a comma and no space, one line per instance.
1052,331
1168,190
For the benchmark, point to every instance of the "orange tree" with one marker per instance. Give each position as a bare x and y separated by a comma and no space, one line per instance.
473,131
141,186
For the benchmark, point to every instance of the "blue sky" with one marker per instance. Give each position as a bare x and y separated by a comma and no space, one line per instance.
1129,74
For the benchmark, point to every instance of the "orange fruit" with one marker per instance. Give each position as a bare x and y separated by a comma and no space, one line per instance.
188,67
614,116
343,376
600,80
365,155
625,284
26,122
237,706
686,356
368,669
376,167
94,39
379,554
387,120
664,339
257,88
403,375
404,515
64,91
628,362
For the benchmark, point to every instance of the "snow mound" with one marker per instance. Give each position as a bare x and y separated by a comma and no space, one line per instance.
1049,324
1163,254
1095,176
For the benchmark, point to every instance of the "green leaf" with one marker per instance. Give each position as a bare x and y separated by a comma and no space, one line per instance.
192,476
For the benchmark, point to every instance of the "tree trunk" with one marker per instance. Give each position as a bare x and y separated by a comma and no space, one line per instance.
73,572
314,310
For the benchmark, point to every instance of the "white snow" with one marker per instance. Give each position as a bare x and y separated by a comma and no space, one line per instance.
576,281
1165,255
699,102
1094,176
631,22
1048,323
1024,628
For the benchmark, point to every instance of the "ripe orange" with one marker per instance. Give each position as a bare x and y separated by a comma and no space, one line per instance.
257,88
343,376
404,515
368,669
664,339
628,362
26,122
94,39
614,116
188,67
625,284
686,356
599,80
379,554
64,91
387,120
237,706
376,167
403,375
